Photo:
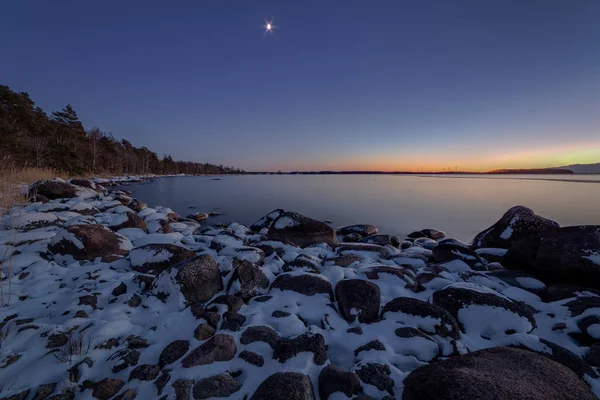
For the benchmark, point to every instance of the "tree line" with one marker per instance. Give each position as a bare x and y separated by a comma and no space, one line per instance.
31,138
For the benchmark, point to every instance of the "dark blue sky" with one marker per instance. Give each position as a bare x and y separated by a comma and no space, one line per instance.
342,85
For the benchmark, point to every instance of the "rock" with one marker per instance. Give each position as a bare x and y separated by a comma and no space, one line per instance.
497,373
134,301
361,229
417,344
128,357
220,347
128,394
19,396
314,343
127,220
157,257
285,386
173,352
352,237
593,355
204,331
199,278
53,190
302,264
568,255
515,225
88,300
381,240
280,314
466,302
84,183
426,243
212,317
357,297
561,292
333,379
432,319
260,334
267,220
427,233
226,239
233,303
119,290
252,358
354,248
404,273
44,391
251,254
161,382
222,385
377,375
306,284
346,260
199,217
136,342
232,321
302,231
109,344
67,395
520,279
144,372
249,281
57,340
182,388
107,388
87,242
491,254
450,249
372,345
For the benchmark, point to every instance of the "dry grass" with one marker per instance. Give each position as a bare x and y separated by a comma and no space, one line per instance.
78,344
13,181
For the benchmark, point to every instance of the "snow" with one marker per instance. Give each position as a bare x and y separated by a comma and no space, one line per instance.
594,256
284,222
530,283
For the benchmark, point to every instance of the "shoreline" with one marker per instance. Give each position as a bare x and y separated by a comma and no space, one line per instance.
284,303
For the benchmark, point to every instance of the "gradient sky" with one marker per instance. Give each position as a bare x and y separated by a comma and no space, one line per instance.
373,85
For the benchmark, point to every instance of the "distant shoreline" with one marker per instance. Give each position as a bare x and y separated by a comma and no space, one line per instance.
499,172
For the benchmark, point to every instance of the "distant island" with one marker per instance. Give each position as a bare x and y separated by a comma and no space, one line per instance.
583,168
535,171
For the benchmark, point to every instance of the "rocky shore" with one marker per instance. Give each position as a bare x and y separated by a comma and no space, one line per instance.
106,298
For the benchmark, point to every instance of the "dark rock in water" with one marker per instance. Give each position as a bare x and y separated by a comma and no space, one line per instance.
427,233
381,240
515,225
568,255
372,345
222,385
352,237
199,278
252,358
302,231
450,249
361,229
262,333
285,386
520,279
308,285
145,372
498,373
107,388
219,348
457,297
445,326
357,297
87,242
377,375
333,379
157,257
251,281
289,348
561,292
173,352
267,220
53,190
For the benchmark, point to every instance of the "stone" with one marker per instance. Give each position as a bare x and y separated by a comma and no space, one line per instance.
285,386
289,348
352,237
267,220
593,355
211,317
416,343
107,388
280,314
57,340
361,229
173,352
232,321
53,190
128,394
119,290
445,324
199,278
233,303
252,358
381,240
515,225
520,279
372,345
450,249
204,331
84,183
346,260
161,382
561,292
44,391
87,242
306,284
377,375
459,300
334,379
182,388
357,297
260,334
145,372
19,396
220,347
569,255
250,280
132,221
496,373
128,357
427,233
222,385
154,258
302,231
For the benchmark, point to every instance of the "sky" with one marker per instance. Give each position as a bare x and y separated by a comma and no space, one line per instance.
338,85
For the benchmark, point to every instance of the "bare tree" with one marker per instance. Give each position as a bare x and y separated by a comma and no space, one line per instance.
95,135
39,145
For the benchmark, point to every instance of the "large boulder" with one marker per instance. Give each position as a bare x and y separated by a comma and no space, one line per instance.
58,189
467,302
334,379
222,385
515,225
357,297
247,281
87,242
198,279
291,227
267,220
499,373
569,255
220,347
306,284
308,342
285,386
156,257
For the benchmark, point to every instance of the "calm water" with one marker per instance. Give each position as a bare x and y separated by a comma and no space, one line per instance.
397,204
